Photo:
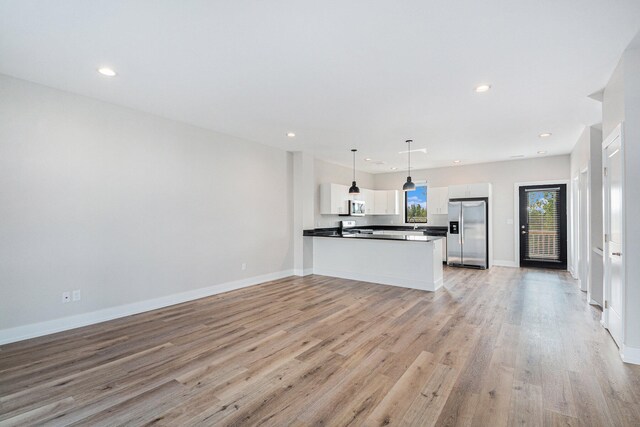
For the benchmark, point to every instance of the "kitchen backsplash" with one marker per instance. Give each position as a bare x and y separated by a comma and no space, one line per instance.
326,221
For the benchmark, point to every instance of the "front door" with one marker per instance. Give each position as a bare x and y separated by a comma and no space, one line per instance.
613,267
543,226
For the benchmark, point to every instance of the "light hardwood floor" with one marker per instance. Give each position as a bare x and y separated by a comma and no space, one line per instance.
498,347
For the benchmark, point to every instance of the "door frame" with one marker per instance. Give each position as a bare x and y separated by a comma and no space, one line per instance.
516,214
573,257
584,273
617,132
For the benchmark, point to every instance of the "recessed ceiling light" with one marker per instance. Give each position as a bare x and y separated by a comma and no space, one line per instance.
482,88
542,152
394,169
105,71
291,134
456,161
545,135
367,159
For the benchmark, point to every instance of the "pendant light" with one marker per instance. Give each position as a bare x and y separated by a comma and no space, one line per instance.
354,188
409,185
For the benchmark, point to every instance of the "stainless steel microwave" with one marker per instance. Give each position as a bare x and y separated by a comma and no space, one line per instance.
356,208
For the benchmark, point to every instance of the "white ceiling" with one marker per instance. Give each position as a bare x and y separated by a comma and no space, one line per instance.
340,74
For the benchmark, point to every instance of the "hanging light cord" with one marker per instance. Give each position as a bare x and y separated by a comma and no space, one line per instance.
354,165
409,172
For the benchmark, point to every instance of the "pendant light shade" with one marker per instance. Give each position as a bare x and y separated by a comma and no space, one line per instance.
409,185
354,188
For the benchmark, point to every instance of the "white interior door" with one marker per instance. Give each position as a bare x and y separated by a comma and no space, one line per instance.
613,157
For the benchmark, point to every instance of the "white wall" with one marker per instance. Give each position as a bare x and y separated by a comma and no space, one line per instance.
127,206
580,155
587,153
503,176
613,101
303,211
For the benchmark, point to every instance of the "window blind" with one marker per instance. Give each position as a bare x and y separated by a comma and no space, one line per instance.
543,224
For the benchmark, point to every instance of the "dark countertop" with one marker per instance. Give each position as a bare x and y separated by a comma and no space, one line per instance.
358,236
427,230
430,233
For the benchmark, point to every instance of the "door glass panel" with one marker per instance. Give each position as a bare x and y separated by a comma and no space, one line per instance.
543,224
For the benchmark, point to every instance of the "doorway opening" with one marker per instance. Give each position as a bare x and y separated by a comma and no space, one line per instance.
543,226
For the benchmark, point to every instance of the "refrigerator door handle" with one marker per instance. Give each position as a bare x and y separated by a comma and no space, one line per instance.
461,227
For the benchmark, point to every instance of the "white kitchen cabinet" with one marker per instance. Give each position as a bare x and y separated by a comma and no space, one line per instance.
368,197
385,202
333,199
469,190
379,202
437,200
480,190
392,202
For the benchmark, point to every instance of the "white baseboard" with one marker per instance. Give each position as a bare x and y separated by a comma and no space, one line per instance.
33,330
592,301
630,354
504,263
305,272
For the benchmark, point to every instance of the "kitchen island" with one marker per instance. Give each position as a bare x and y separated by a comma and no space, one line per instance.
410,261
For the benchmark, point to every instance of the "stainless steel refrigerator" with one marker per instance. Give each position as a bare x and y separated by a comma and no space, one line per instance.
468,237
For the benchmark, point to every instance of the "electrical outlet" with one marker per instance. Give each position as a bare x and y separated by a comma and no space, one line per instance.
66,297
244,265
75,295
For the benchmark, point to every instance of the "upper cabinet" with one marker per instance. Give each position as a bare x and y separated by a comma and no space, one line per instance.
333,199
469,190
367,196
385,202
437,200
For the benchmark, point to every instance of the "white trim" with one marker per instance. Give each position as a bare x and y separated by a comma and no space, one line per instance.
573,229
504,263
304,272
516,212
572,271
586,239
592,301
33,330
630,354
422,183
618,132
